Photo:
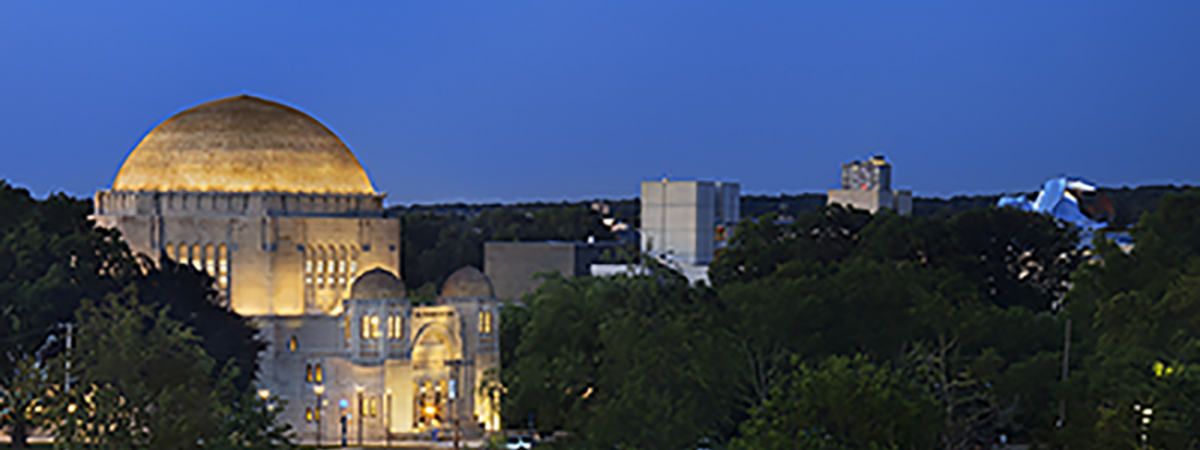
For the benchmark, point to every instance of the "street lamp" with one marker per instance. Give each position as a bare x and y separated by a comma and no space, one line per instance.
318,389
265,394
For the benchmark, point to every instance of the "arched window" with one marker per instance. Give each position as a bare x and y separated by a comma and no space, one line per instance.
353,262
293,344
197,257
317,375
181,254
308,373
375,334
210,260
365,326
223,266
308,414
171,251
372,407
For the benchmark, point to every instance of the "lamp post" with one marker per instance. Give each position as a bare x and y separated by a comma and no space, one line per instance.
318,389
265,394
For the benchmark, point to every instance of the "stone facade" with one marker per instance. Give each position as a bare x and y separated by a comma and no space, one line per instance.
270,203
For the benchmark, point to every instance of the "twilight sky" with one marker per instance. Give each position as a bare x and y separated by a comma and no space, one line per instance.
522,100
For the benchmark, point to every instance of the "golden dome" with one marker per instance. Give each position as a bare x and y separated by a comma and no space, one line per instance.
467,282
377,284
242,144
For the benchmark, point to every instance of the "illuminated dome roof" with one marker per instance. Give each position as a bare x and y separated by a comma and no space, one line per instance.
467,282
242,144
377,284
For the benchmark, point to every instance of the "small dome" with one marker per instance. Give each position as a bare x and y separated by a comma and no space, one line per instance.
242,144
467,282
377,284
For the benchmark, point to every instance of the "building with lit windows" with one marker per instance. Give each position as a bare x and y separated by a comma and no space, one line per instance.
867,185
278,210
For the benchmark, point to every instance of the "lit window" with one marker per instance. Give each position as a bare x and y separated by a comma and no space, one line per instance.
308,373
347,329
172,251
366,327
485,322
317,374
374,326
395,326
308,266
320,267
210,260
293,344
308,414
197,257
223,266
317,413
372,407
181,254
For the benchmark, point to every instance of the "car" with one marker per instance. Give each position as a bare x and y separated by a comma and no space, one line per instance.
519,442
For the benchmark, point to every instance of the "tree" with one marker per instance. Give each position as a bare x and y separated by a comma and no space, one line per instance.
51,256
1134,381
26,400
639,362
761,245
143,379
190,298
842,403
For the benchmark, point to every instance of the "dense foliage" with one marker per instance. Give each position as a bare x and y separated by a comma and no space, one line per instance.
841,329
52,261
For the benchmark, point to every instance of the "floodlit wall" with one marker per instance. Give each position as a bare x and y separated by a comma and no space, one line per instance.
270,254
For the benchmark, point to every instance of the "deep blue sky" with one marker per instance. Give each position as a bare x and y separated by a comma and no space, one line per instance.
514,100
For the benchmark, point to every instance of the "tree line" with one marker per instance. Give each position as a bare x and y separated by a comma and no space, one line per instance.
439,239
155,358
845,330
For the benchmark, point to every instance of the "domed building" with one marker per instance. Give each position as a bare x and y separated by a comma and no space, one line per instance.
278,210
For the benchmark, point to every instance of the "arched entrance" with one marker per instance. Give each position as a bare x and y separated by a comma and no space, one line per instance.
431,379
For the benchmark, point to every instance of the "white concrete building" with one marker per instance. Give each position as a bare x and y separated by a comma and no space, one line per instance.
687,222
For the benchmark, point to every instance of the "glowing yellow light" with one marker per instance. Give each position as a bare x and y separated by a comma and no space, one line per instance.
429,410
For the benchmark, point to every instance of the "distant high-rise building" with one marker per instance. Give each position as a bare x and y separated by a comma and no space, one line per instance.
686,222
867,185
872,174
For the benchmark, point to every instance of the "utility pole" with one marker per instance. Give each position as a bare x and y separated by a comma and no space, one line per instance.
1062,403
67,385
